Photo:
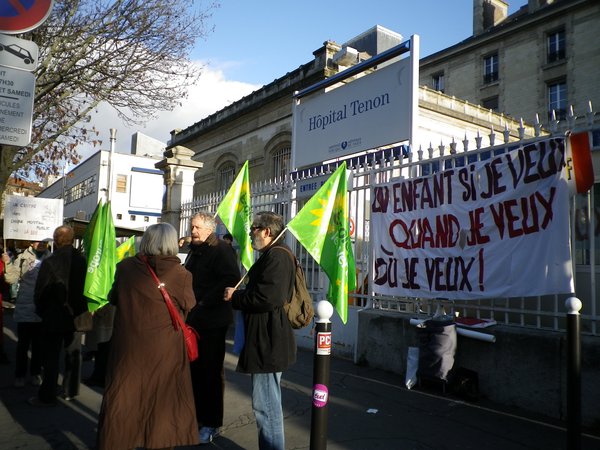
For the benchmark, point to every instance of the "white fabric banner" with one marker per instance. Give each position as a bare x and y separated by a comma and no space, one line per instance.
494,228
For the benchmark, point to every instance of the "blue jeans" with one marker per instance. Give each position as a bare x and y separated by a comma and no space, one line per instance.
266,404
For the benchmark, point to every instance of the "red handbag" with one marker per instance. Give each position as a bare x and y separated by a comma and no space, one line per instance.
190,335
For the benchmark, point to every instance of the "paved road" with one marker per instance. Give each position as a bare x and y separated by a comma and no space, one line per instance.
369,409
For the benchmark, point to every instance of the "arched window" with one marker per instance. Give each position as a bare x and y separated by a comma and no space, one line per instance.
226,175
281,161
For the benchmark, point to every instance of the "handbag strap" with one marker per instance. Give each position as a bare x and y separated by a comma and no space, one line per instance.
175,317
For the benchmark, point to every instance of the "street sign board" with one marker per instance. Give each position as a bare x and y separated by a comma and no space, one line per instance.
18,53
19,16
17,90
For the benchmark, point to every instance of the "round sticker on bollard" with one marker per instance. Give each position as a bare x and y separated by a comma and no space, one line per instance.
320,395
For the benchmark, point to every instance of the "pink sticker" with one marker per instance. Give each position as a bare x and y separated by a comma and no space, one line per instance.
320,395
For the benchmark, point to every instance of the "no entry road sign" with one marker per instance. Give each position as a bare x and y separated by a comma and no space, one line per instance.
19,16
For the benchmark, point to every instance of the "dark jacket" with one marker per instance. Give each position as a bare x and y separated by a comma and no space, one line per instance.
60,280
270,343
214,266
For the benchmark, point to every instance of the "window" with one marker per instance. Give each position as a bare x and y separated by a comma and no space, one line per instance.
119,216
121,183
281,162
490,68
80,190
556,46
557,99
146,219
490,103
132,217
595,140
226,176
438,82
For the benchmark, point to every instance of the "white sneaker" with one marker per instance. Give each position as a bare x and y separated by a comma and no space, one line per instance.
19,382
36,380
207,434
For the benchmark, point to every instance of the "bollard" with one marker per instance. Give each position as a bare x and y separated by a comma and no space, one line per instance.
321,363
573,305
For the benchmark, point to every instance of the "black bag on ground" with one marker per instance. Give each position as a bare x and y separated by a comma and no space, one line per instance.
465,383
437,347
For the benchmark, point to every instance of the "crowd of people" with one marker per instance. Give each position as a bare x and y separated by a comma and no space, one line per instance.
154,397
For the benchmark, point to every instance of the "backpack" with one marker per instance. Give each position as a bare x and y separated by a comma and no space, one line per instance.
299,309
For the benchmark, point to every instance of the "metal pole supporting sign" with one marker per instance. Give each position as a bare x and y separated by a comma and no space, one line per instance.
322,359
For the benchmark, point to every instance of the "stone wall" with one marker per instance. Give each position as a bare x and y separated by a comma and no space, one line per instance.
524,368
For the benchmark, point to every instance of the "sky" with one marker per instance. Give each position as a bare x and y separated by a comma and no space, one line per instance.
256,42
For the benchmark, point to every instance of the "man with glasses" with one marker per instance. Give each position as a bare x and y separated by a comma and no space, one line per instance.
214,265
270,344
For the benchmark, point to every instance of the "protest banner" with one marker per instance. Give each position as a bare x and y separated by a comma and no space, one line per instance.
493,228
31,218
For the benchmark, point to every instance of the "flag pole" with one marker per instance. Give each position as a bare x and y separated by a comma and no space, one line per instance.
113,139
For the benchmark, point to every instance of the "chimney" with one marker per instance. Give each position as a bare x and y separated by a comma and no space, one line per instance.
488,14
534,5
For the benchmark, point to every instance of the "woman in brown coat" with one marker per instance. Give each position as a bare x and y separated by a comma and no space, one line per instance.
148,400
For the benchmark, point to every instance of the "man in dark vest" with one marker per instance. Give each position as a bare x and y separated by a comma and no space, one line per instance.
58,298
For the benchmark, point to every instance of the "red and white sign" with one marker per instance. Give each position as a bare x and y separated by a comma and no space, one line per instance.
493,228
324,343
20,16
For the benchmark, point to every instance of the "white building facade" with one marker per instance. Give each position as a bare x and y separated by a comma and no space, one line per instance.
131,182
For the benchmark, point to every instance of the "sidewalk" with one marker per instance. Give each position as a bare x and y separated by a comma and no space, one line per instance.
368,409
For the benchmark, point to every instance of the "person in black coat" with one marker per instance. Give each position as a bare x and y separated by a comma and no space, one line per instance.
214,265
58,298
270,345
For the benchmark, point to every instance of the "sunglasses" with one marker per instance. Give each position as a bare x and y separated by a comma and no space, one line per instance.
253,228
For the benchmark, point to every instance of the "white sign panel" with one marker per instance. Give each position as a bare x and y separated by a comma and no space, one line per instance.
17,91
31,218
492,229
18,53
146,191
367,113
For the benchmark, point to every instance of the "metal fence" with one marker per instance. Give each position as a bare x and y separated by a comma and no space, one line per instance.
285,197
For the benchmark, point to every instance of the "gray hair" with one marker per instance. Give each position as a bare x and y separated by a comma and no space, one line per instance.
159,239
207,219
270,220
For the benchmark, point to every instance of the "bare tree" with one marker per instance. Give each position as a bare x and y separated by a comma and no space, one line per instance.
131,54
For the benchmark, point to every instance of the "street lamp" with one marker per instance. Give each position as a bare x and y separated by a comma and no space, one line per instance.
113,139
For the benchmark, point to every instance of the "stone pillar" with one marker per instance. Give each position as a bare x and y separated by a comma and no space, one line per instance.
178,172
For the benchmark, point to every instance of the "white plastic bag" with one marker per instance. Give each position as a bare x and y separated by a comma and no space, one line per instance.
412,364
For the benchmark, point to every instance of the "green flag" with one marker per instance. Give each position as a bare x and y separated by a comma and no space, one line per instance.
234,211
322,227
126,249
87,235
101,256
